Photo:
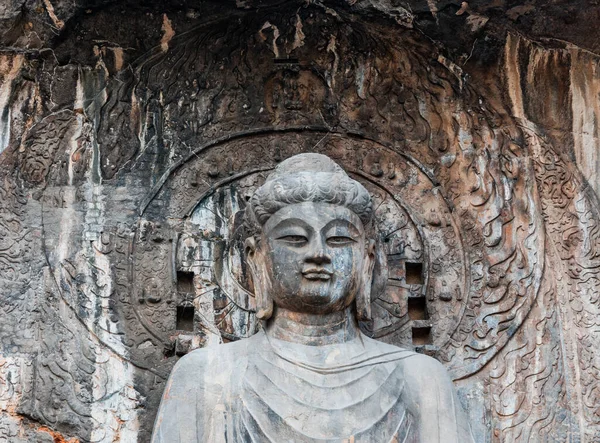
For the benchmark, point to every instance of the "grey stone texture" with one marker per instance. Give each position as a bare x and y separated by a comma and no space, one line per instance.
311,375
133,134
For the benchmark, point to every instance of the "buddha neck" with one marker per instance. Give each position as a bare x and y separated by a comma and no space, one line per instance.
313,329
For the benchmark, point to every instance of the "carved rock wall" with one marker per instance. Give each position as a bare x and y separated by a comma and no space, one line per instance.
131,136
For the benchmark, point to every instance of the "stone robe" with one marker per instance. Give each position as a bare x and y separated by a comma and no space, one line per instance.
266,390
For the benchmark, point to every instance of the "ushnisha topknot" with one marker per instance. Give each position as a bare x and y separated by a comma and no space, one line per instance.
307,178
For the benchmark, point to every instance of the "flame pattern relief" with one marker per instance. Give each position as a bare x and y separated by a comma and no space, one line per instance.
123,187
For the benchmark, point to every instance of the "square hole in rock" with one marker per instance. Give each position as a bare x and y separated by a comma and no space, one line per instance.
185,281
421,336
414,273
417,308
185,318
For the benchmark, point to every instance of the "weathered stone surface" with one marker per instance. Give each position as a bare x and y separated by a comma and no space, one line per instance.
131,136
316,262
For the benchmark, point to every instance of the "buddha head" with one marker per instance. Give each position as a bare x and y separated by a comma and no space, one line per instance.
309,250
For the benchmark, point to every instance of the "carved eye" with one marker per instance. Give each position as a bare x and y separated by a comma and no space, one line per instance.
296,240
340,240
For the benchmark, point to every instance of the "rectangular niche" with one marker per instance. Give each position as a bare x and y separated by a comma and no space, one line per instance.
421,335
417,308
413,273
185,318
185,282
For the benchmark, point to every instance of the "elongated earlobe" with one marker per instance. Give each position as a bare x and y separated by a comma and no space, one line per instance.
363,297
260,280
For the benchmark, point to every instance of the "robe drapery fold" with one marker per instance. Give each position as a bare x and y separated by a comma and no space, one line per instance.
266,390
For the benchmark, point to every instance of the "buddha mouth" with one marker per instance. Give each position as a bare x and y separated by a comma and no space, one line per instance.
317,274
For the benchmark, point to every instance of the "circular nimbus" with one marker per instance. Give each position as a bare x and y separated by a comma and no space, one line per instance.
199,207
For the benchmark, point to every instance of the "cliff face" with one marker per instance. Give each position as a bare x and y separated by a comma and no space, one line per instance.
132,133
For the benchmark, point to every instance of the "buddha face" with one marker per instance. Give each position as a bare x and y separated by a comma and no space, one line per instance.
314,256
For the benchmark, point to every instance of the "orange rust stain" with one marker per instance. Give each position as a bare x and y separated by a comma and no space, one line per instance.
58,438
117,436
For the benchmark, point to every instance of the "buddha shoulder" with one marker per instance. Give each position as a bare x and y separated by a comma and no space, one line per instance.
210,365
421,372
427,380
422,369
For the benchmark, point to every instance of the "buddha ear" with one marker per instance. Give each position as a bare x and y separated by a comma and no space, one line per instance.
260,279
363,297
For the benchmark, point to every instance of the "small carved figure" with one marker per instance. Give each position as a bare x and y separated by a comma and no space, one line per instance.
310,375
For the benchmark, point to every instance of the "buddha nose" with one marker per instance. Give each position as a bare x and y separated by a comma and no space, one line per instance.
318,254
321,258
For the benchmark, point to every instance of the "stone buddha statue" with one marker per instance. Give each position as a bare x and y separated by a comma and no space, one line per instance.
310,374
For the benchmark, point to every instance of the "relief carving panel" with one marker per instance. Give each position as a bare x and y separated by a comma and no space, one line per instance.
121,234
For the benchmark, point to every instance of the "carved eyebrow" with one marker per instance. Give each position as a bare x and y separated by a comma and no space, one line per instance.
290,222
343,223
